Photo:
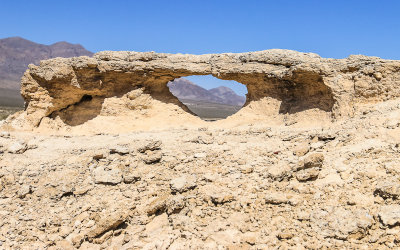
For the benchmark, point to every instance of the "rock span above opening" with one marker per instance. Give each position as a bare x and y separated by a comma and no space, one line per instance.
133,85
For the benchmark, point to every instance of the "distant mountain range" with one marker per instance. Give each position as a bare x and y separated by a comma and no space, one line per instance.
15,55
187,90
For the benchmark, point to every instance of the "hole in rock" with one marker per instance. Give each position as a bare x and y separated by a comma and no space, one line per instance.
208,97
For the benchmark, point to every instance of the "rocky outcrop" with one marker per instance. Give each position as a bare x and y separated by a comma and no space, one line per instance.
253,186
279,82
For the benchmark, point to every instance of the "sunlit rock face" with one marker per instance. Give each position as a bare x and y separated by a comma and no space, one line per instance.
280,83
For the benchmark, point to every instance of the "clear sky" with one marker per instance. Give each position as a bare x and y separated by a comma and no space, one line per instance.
336,28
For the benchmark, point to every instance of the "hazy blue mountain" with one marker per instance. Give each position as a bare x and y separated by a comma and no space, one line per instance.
187,90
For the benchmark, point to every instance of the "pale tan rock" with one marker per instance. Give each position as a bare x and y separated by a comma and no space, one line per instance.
183,183
341,223
17,148
150,157
301,149
24,190
151,145
158,204
107,223
388,189
314,160
307,174
103,176
276,198
279,172
82,90
251,191
390,215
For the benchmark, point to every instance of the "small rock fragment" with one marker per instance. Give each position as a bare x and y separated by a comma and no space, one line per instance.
247,169
279,172
307,174
131,177
152,145
107,223
121,150
203,140
24,190
280,198
183,183
310,167
221,197
200,155
159,204
111,177
285,235
249,238
378,76
314,160
175,204
98,156
4,134
151,157
388,189
17,148
301,149
390,215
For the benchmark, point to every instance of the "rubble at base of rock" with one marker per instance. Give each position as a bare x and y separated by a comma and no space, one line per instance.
89,192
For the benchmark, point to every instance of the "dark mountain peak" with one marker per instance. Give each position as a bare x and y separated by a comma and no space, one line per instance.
66,49
15,39
16,53
17,42
64,44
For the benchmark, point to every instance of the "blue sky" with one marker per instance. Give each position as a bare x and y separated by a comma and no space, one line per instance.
334,29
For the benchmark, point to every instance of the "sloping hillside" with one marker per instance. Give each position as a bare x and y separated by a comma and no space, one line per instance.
17,53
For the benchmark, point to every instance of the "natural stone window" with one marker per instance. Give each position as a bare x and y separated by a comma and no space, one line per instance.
208,97
130,89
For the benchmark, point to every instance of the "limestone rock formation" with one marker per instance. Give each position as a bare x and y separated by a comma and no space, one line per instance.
280,83
240,183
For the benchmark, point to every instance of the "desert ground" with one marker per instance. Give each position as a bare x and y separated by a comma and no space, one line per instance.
250,187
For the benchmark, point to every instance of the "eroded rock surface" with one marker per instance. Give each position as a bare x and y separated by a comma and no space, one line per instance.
259,183
283,87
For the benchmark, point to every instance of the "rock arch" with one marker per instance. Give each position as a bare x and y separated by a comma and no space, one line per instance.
279,82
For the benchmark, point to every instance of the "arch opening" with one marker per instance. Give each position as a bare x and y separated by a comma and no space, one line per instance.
208,97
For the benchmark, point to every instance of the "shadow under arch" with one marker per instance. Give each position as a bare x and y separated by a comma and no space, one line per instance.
80,102
296,92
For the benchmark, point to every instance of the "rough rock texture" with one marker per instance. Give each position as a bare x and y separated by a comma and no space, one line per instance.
281,84
209,188
330,185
